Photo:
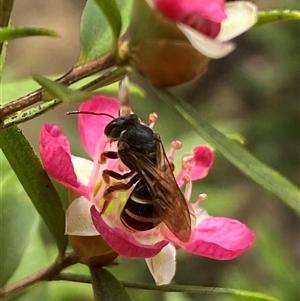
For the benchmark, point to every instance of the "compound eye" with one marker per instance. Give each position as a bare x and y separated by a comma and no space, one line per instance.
110,128
114,128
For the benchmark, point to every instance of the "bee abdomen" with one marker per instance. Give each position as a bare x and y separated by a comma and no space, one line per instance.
139,213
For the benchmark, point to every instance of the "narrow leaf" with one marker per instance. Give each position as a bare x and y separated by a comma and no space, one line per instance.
106,286
96,37
264,17
18,218
35,181
237,154
11,33
60,91
201,290
2,58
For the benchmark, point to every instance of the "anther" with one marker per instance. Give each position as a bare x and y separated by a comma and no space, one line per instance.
186,178
152,119
176,145
186,161
201,197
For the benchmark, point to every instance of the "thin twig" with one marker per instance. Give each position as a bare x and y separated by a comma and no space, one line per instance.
39,109
173,287
29,114
45,274
75,74
5,12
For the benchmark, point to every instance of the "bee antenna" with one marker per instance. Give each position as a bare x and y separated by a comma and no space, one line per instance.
90,113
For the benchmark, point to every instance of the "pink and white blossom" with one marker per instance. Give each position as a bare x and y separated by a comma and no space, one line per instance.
214,237
209,24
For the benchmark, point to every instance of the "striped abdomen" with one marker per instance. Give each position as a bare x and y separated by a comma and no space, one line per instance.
139,212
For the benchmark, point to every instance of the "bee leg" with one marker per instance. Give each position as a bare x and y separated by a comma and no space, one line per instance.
107,173
108,194
107,155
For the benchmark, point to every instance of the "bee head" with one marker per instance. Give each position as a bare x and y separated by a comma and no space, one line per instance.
114,129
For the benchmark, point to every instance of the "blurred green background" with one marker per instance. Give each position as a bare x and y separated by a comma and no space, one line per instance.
253,92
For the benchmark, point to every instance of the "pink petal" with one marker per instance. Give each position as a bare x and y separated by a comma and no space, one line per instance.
220,238
123,242
177,10
91,127
200,164
203,161
163,265
56,157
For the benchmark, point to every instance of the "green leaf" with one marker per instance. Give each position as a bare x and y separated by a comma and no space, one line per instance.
2,58
236,154
35,181
96,37
264,17
60,91
201,290
111,11
107,287
18,218
11,33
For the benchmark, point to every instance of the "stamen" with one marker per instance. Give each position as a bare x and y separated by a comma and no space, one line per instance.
99,194
152,119
186,162
94,178
175,145
188,187
115,209
201,197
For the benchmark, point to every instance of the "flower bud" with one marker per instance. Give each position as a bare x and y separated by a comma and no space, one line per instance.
171,42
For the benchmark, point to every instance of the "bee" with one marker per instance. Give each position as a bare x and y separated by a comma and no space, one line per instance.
156,198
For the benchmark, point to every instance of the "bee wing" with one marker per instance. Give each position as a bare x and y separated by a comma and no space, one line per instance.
168,199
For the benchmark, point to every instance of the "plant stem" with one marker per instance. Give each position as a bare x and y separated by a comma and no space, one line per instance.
45,274
5,12
75,74
173,287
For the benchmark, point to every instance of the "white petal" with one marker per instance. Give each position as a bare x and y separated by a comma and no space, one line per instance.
163,265
208,47
79,220
241,16
83,169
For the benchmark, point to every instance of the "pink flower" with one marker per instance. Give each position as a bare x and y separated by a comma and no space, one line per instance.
209,24
215,237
